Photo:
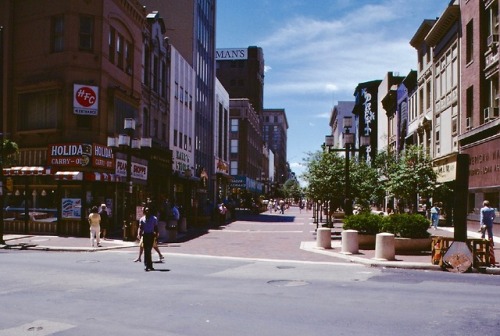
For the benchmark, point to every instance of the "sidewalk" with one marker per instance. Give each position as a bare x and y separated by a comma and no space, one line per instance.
366,257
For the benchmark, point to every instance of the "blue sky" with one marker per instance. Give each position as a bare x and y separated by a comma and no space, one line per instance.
317,51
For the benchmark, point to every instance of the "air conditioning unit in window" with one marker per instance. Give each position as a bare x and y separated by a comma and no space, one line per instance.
468,123
492,40
491,113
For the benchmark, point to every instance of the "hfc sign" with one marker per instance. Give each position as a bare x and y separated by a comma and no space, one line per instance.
85,99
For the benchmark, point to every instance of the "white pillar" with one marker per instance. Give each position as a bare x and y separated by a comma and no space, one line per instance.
385,246
350,243
324,238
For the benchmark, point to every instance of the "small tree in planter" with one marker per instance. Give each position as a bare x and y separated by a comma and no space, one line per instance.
364,223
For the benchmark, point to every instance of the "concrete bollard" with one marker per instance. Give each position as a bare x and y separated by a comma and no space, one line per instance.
324,238
385,246
350,243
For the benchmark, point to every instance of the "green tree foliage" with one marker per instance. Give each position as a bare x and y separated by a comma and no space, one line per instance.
408,175
10,150
292,189
325,177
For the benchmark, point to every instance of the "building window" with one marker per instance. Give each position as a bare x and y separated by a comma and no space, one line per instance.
119,51
128,57
57,34
469,41
175,138
147,66
234,146
180,139
39,110
428,95
156,71
234,168
86,33
111,44
234,125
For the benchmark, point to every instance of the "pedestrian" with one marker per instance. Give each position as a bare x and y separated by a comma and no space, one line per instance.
104,221
282,206
222,213
435,216
270,206
301,205
95,226
487,215
148,230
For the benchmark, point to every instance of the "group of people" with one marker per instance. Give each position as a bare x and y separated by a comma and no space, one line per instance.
276,205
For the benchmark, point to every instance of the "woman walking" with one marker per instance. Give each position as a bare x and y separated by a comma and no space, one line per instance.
95,227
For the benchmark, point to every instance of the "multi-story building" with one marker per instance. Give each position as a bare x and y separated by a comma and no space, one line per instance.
399,125
181,131
480,101
190,27
245,149
443,39
366,114
386,126
221,142
339,111
274,134
241,71
420,116
73,72
155,104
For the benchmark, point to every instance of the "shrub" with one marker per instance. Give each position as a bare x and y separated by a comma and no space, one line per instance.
364,223
406,225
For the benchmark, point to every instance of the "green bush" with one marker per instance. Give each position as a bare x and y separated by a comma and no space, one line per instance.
406,225
364,223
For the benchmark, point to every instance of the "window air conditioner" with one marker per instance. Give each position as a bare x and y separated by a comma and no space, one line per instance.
490,113
492,40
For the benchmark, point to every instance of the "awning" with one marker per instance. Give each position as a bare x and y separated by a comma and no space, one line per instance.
27,170
68,176
103,177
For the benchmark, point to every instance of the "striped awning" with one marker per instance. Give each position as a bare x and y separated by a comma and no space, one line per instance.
68,176
26,170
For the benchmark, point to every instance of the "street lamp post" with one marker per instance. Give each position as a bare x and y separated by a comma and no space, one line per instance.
129,143
348,148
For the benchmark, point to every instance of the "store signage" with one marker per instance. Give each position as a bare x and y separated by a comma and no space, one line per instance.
80,155
137,170
181,162
484,164
102,157
85,99
69,155
231,54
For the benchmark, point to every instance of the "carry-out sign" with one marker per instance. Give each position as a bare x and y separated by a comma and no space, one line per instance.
85,99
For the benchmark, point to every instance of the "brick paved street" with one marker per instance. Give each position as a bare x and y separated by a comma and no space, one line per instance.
263,236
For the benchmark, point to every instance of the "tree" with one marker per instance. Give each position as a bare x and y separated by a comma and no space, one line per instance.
292,189
325,177
409,174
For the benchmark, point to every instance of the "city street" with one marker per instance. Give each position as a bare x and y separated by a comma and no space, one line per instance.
246,278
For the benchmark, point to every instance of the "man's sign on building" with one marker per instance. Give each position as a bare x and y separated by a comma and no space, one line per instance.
85,99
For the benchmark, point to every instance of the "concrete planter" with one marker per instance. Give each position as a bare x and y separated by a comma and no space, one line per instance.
366,241
413,244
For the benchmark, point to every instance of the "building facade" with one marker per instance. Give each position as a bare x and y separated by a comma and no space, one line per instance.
275,135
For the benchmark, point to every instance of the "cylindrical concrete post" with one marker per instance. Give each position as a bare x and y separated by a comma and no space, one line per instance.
324,238
385,246
350,243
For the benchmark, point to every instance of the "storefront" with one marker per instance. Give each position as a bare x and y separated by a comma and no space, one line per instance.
57,198
484,175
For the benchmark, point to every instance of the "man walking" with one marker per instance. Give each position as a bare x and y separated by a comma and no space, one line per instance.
486,220
148,230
